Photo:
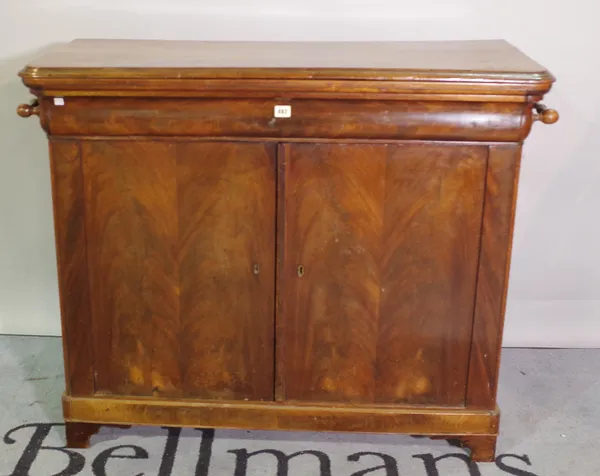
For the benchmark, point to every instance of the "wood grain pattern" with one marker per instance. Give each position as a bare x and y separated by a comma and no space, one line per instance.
131,211
388,237
280,233
388,226
492,284
310,118
174,234
415,420
430,242
69,216
374,59
130,66
227,269
334,216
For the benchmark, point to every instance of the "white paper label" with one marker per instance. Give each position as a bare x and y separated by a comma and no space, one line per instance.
59,101
283,111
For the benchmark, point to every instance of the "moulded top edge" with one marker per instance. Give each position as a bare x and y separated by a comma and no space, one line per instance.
447,61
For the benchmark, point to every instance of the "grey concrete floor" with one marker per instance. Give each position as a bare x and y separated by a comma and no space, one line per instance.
550,401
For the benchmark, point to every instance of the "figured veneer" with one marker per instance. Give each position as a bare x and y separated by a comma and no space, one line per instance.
341,269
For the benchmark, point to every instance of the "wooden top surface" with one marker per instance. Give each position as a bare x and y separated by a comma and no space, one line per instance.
488,59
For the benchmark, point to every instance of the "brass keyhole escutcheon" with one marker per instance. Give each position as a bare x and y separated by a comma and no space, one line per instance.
300,271
256,269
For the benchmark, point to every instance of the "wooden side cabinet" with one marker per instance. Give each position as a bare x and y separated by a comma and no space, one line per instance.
295,236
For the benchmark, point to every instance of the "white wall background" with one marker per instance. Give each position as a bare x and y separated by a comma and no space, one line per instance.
554,297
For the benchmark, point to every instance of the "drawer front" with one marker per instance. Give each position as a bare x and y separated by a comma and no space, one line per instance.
90,116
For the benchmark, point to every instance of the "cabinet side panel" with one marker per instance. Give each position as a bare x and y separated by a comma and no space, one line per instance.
432,228
130,189
327,335
69,223
492,285
226,208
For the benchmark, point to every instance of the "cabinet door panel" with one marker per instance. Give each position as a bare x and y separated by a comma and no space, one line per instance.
329,316
431,237
388,238
176,233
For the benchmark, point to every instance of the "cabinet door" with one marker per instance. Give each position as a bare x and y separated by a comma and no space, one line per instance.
377,287
180,250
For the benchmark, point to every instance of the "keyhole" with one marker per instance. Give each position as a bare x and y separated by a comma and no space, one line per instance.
256,269
300,271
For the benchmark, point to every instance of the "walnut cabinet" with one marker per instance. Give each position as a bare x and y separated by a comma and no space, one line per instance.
295,236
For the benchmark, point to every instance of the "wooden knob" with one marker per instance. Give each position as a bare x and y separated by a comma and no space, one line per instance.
28,110
547,116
